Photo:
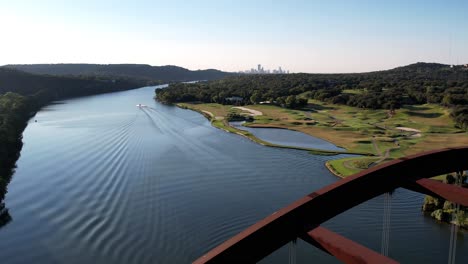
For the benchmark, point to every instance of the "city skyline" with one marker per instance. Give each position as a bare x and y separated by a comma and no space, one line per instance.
261,70
302,36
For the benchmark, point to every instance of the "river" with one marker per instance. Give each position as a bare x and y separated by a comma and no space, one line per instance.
100,180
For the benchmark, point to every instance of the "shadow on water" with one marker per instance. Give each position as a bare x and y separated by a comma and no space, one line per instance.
5,216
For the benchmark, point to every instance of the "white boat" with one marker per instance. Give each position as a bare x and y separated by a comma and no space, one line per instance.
141,105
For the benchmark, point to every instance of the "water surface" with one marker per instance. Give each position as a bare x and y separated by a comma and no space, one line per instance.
288,137
103,181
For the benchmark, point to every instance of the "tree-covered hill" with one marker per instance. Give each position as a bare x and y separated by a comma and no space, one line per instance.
141,71
59,87
413,84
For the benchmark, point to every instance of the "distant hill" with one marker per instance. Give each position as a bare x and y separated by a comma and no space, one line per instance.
422,66
59,87
140,71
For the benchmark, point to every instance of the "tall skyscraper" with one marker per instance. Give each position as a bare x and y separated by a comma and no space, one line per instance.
261,70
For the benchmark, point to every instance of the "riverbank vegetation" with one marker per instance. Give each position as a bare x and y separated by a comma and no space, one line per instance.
350,166
446,211
14,111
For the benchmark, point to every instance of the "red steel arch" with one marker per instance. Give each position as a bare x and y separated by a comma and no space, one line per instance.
303,217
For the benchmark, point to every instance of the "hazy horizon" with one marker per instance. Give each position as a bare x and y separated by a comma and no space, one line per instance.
300,36
77,63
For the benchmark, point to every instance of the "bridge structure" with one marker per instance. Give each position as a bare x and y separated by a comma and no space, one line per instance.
303,218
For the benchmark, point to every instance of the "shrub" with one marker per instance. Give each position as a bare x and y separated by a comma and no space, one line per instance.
450,179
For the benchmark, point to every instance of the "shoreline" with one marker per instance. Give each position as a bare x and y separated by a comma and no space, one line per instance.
333,171
230,129
224,125
292,129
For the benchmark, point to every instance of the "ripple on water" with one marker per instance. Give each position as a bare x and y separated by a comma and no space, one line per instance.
102,181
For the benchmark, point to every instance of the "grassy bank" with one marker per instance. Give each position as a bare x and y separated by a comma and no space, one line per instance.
221,123
349,166
362,131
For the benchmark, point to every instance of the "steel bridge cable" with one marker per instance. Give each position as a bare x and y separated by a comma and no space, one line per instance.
292,251
386,224
454,226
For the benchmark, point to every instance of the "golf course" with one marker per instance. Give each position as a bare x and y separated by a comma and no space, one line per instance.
378,135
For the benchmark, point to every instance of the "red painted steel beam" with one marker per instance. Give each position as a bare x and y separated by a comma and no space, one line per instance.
307,213
344,249
449,192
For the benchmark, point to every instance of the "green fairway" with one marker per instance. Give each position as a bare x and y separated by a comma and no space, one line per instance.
386,135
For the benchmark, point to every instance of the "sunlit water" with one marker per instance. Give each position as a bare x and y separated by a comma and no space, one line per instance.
288,137
103,181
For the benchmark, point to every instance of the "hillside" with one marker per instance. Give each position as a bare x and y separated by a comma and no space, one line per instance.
60,87
414,84
140,71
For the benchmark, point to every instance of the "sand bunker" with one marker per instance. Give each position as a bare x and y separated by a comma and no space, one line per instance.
409,129
251,111
417,132
208,113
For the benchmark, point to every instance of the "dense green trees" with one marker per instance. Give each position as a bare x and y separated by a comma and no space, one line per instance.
14,112
161,74
58,87
460,116
414,84
443,210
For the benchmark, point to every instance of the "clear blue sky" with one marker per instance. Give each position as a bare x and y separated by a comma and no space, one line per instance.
302,36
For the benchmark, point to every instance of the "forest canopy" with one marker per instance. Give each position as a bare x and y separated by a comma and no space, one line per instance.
418,83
